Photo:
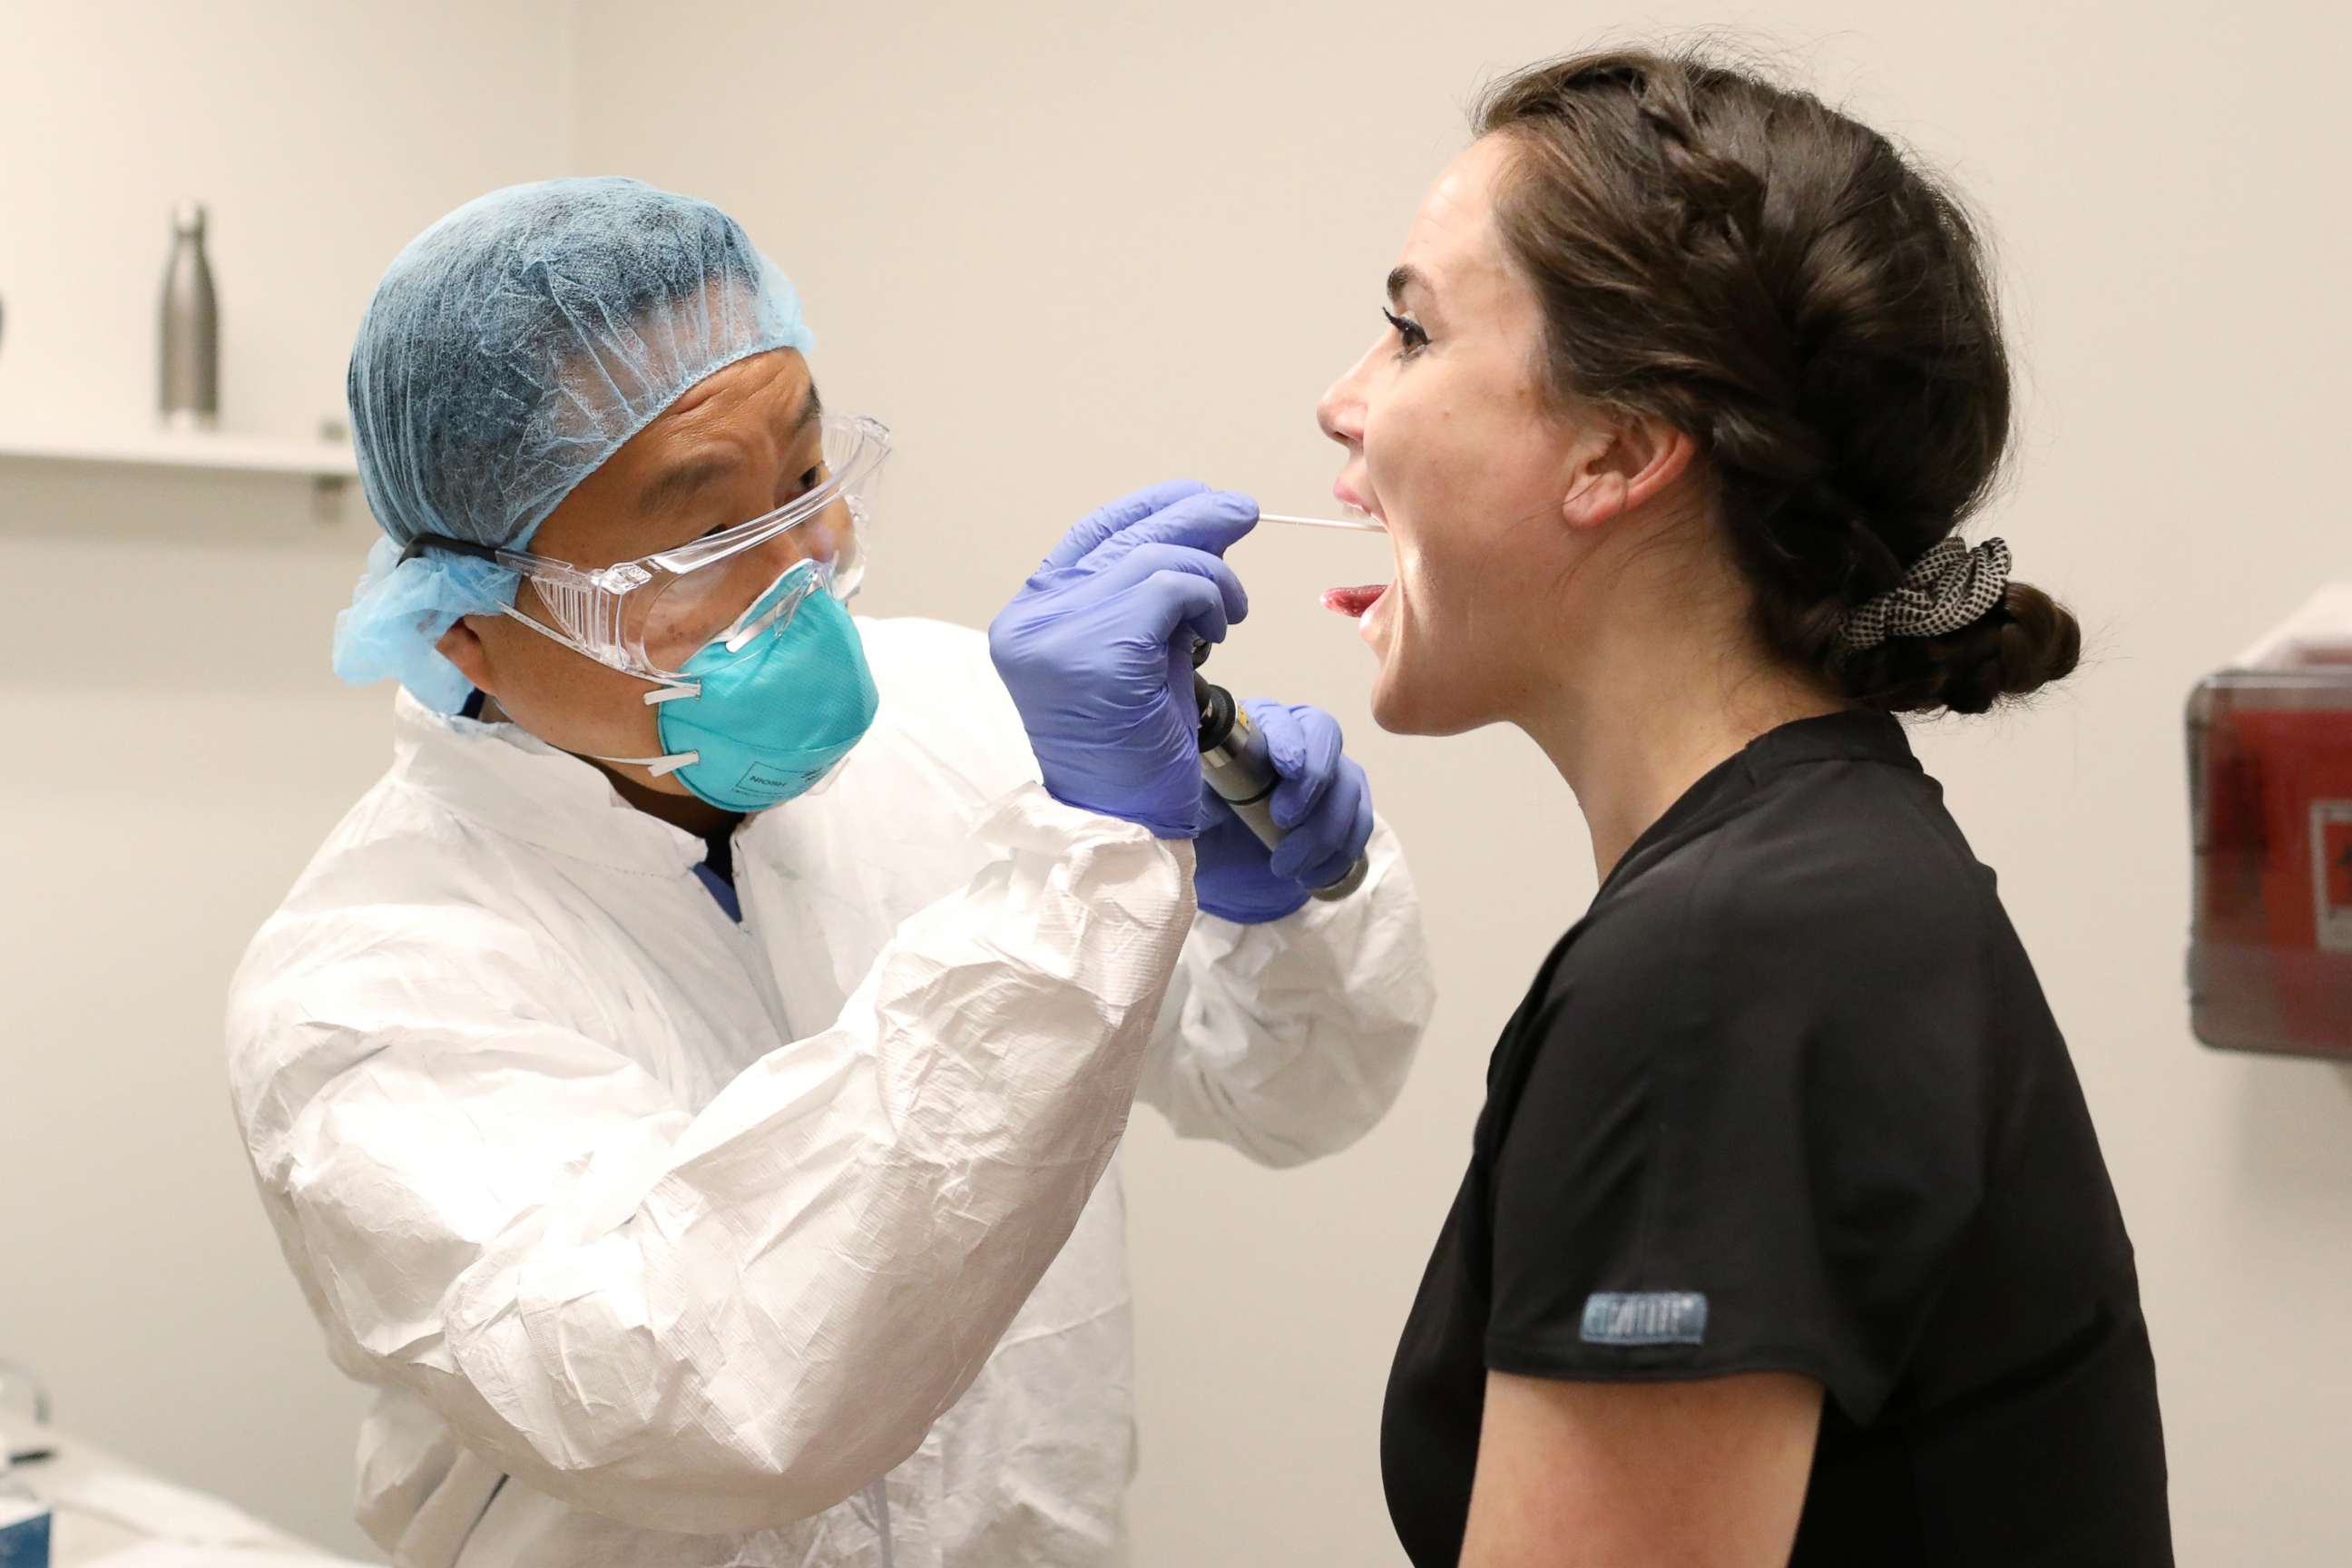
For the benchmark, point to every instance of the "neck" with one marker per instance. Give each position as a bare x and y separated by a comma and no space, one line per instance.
696,815
693,814
1645,716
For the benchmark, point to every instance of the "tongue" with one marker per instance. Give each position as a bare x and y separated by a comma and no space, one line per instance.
1354,601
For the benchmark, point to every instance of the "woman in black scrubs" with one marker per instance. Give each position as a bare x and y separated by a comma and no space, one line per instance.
1786,1237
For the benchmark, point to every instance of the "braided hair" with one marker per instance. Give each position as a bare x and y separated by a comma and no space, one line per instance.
1814,310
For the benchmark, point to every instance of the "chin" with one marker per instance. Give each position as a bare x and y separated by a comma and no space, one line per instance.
1404,705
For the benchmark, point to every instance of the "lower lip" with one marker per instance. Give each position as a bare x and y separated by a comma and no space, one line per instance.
1354,602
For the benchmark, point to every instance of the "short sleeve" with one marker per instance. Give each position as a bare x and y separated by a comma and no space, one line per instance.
1746,1131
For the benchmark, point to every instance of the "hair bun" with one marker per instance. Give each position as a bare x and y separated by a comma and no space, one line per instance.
2021,645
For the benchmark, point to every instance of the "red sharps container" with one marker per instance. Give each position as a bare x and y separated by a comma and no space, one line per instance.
2270,793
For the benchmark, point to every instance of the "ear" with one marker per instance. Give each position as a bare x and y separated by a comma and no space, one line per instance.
462,647
1628,464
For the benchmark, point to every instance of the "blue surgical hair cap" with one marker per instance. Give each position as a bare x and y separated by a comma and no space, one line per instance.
512,348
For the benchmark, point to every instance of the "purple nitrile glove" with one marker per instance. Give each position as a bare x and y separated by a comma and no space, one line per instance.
1096,650
1323,805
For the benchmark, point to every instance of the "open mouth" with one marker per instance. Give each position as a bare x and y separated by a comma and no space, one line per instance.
1354,603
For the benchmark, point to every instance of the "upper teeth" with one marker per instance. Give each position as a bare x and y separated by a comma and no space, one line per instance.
1352,509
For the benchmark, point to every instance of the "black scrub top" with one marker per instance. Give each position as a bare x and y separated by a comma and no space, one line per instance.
1788,1099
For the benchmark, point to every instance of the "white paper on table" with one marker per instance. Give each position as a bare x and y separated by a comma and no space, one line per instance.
172,1514
178,1554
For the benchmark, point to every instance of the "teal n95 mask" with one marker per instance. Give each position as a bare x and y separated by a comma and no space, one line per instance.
773,704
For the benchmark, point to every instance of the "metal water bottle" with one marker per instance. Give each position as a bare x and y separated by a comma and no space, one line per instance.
190,381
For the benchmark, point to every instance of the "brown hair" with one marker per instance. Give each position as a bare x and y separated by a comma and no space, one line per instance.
1813,309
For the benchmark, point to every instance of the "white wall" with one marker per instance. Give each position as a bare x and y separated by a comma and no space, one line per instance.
176,745
1065,248
1069,247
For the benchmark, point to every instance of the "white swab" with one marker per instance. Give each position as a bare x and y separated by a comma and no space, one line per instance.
1353,524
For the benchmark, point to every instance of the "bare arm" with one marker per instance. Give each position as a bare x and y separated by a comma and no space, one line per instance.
1708,1474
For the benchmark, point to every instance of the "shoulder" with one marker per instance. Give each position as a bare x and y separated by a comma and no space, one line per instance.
936,675
1817,973
943,706
1831,930
1830,876
917,648
405,915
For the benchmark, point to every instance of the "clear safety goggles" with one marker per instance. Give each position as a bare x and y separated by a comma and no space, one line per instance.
725,591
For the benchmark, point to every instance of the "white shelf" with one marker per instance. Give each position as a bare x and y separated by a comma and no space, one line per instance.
189,449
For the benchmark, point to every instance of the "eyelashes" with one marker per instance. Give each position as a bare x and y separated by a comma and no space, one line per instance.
1409,333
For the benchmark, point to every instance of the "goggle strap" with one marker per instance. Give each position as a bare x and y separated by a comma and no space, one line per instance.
665,688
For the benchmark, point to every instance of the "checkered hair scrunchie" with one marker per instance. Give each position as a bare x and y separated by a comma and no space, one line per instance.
1949,588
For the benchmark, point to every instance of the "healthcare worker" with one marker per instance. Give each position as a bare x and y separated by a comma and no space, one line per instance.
686,1084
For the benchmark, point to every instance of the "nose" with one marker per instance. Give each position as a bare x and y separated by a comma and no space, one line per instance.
1341,410
788,549
818,537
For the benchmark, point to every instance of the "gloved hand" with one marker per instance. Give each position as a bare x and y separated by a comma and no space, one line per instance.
1096,650
1323,805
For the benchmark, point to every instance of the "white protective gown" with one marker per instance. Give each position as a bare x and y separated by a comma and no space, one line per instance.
662,1236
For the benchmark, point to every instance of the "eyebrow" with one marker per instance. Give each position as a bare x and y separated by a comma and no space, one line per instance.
1402,278
675,486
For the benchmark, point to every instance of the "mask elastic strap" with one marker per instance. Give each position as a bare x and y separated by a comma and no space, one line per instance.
664,690
658,767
